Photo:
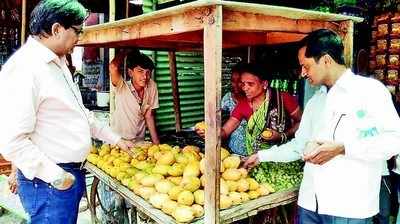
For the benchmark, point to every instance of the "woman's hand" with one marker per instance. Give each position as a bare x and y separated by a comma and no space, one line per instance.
271,135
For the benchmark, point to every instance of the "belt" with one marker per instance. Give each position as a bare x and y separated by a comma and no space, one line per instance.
70,165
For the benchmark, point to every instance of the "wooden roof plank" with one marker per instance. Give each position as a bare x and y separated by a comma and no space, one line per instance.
291,13
287,12
253,22
237,16
121,30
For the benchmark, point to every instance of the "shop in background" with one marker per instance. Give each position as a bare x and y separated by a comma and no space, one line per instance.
10,20
384,51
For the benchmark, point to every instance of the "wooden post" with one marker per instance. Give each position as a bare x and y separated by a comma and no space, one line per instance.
126,8
111,55
212,79
23,22
347,32
175,90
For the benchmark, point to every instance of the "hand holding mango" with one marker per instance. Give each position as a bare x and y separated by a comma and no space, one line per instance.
310,147
200,125
271,135
267,134
200,128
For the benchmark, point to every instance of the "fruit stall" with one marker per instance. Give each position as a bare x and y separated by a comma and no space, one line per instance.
158,178
209,26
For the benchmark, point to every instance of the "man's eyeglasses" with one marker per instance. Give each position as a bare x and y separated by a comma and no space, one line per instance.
78,31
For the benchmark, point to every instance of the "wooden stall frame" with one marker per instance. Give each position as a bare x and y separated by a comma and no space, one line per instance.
212,66
213,25
111,54
23,22
175,92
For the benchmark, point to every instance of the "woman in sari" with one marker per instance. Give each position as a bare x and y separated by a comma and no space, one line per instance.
272,116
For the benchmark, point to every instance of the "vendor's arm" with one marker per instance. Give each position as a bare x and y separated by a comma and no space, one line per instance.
226,130
115,73
237,115
230,125
151,125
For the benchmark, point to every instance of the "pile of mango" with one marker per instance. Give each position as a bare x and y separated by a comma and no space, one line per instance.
172,179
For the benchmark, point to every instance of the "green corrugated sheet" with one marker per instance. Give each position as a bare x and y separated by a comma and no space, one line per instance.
191,89
190,85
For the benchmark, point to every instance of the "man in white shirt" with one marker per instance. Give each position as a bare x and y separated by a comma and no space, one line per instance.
45,130
349,127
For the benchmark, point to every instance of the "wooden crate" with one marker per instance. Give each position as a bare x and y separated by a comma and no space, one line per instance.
5,166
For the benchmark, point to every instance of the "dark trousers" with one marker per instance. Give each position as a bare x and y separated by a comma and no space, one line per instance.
384,201
47,205
310,217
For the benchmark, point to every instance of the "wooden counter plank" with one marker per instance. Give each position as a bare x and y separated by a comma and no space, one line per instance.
140,204
191,20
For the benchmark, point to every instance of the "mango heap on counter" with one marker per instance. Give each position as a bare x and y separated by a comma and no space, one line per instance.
172,179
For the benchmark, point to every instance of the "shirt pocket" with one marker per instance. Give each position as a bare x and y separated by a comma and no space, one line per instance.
342,127
355,124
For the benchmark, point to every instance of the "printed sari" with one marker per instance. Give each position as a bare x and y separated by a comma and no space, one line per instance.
271,115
